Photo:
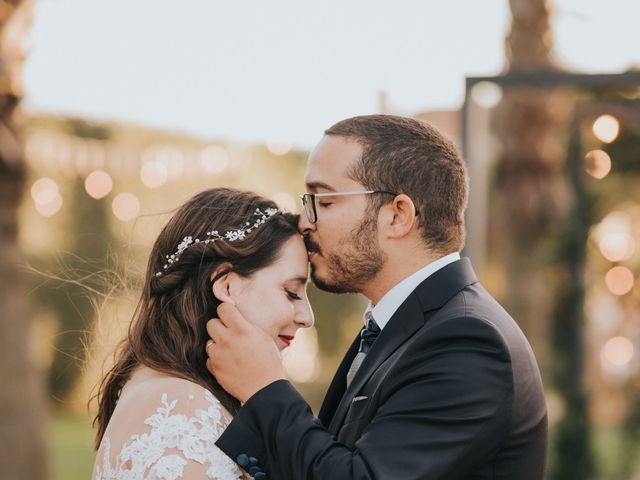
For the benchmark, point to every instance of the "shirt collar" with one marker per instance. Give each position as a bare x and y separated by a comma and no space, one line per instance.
391,301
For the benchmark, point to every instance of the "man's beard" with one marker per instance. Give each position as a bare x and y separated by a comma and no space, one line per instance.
358,263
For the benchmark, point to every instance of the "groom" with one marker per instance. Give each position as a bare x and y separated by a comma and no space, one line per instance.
441,383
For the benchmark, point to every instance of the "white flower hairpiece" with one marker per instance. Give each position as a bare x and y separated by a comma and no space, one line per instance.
213,236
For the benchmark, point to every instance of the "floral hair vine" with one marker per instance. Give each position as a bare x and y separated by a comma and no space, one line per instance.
214,236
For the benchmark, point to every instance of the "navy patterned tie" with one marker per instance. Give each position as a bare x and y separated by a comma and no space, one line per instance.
367,337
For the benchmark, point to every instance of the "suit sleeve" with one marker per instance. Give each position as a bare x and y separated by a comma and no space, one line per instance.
444,408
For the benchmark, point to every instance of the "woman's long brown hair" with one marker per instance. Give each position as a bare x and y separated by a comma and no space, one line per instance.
168,331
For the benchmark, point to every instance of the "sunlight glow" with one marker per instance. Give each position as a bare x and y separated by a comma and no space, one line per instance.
301,358
285,201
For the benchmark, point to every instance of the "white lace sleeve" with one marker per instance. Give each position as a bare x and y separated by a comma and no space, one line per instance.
177,441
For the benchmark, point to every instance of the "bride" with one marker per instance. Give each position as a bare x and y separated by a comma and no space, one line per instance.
159,409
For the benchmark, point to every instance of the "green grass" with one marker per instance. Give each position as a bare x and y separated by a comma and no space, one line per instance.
70,447
72,455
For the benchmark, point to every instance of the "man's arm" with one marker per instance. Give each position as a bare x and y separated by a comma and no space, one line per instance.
444,408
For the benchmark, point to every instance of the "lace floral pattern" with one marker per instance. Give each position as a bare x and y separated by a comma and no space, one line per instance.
175,440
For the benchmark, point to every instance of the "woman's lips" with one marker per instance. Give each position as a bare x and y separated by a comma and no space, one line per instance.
286,339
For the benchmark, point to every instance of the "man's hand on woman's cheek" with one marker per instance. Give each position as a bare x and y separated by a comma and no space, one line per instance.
243,358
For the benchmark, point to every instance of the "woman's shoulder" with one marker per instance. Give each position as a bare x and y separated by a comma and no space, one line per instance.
151,389
172,419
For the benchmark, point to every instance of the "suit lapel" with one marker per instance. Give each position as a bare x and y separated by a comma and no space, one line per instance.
431,294
391,337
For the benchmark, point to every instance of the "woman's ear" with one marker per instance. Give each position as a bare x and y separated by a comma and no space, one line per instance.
220,278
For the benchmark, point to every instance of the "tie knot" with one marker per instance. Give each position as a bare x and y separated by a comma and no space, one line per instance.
369,334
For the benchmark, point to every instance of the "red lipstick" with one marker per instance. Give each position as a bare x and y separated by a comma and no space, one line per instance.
286,339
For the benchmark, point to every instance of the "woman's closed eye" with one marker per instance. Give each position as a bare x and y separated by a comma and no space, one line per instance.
324,204
292,295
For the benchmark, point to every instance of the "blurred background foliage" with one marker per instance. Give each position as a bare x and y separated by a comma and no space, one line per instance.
560,227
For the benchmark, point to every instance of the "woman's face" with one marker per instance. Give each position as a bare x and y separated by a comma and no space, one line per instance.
275,297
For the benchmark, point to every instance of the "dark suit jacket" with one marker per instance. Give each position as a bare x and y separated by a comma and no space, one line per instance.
449,390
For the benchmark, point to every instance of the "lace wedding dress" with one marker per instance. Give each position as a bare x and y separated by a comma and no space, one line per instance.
165,428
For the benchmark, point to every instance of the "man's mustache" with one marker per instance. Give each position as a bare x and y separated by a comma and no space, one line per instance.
310,245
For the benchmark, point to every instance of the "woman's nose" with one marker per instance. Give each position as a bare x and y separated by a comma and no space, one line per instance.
304,317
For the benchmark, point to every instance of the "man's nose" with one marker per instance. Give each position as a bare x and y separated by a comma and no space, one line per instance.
304,225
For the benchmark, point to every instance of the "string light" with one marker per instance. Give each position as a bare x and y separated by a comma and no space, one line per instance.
619,280
125,206
279,148
214,159
606,128
98,184
618,351
597,163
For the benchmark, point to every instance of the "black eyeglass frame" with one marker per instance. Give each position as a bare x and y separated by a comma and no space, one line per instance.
309,200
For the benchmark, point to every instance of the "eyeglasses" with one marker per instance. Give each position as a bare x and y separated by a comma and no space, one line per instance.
309,200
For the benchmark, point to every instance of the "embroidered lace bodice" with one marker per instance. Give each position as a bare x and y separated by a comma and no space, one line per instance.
165,428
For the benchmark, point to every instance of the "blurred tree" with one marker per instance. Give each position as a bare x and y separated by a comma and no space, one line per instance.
529,193
628,462
618,190
22,445
572,449
530,202
81,278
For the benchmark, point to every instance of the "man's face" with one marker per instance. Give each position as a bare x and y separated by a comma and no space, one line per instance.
343,245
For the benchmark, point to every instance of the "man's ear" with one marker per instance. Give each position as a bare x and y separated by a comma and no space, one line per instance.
220,278
401,216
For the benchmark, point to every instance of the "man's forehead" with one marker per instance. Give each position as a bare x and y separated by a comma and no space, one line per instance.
330,161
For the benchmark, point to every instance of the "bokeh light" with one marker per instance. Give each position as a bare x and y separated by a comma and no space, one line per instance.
279,148
614,236
619,280
597,163
125,206
300,360
46,196
51,207
44,190
606,128
616,246
98,184
486,94
154,174
618,351
173,160
214,159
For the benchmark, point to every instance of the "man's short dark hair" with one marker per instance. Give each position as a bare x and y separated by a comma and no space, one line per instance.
408,156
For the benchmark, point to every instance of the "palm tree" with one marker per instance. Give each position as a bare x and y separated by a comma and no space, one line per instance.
529,194
530,203
22,450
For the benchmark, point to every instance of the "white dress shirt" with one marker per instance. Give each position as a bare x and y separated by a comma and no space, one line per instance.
391,301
